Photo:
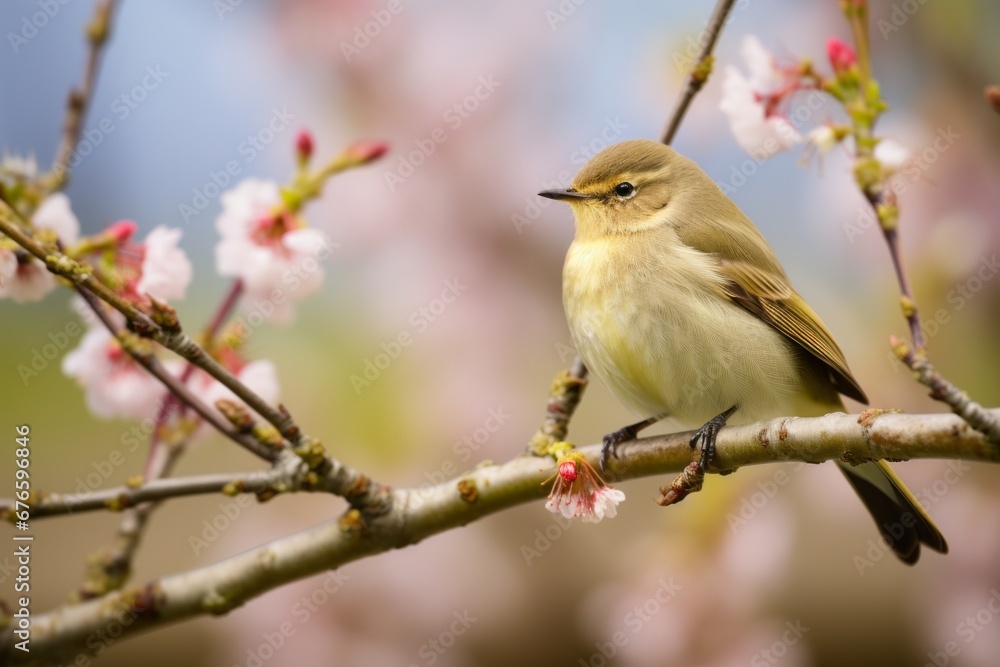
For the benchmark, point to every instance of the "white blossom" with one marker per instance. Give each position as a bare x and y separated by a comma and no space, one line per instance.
743,101
166,270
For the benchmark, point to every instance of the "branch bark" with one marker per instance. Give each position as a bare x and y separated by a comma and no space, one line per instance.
122,497
98,31
417,514
700,72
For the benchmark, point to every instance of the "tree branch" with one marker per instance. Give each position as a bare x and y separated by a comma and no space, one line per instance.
417,514
98,31
337,478
109,569
177,386
122,497
700,72
985,421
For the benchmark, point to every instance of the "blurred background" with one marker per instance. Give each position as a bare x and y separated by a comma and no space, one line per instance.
773,565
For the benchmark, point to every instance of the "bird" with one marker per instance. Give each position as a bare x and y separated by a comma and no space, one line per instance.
677,303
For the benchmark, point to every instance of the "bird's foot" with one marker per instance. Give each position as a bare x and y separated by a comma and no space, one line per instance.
609,449
707,435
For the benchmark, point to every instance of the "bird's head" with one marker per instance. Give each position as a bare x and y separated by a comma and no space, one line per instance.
627,188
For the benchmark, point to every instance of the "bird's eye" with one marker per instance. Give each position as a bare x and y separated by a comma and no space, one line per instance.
625,190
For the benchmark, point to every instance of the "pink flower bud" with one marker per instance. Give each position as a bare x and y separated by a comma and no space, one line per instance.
567,470
841,55
304,145
122,231
366,151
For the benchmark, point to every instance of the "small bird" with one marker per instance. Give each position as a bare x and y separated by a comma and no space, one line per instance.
677,303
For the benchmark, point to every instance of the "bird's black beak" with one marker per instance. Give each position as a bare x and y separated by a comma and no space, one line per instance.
563,195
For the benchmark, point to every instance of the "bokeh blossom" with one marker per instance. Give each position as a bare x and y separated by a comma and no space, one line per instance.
31,281
267,246
114,384
165,272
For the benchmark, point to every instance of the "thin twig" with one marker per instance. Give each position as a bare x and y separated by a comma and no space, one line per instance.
335,477
179,389
700,72
420,513
110,568
208,337
121,497
81,275
871,177
98,31
985,421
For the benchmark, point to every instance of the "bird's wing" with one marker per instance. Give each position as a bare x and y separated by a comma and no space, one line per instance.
771,298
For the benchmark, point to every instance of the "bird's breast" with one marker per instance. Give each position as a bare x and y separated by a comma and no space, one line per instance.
652,323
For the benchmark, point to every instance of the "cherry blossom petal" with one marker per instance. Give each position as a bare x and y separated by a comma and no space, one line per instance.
54,213
166,271
115,386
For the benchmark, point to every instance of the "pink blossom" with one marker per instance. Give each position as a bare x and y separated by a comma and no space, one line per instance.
165,271
268,247
260,376
55,213
32,281
750,102
579,492
115,385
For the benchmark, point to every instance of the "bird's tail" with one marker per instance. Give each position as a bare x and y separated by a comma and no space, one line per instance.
902,521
